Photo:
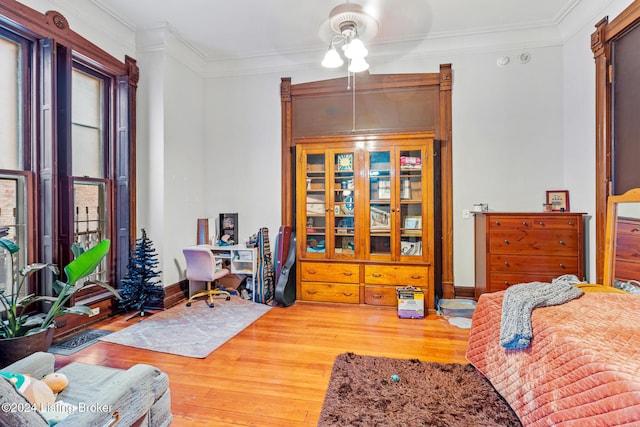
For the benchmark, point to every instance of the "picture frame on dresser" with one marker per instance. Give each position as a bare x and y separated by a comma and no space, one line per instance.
559,200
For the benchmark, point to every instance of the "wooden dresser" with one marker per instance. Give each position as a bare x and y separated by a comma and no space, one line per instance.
627,255
520,247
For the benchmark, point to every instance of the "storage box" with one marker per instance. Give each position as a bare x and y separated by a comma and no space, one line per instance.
457,307
410,302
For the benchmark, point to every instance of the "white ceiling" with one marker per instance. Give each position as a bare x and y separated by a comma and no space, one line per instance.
239,29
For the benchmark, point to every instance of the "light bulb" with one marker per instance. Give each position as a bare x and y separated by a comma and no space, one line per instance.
332,58
355,49
357,65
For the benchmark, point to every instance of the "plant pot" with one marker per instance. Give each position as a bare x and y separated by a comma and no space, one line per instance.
14,349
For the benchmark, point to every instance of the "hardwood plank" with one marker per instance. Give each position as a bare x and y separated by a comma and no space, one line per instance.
276,371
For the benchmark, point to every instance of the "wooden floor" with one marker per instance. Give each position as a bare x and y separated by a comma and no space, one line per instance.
276,371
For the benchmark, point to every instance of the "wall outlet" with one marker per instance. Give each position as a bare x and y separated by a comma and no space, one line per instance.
95,311
466,213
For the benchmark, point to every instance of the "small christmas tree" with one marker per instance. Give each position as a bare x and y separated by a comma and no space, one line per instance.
140,284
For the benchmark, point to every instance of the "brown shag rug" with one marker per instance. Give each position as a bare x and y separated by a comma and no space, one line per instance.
378,391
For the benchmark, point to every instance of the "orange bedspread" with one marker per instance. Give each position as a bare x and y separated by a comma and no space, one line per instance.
583,365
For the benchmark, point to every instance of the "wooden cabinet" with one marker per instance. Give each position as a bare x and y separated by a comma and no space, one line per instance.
365,217
513,248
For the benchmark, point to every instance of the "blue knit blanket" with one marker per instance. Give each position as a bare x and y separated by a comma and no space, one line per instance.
518,304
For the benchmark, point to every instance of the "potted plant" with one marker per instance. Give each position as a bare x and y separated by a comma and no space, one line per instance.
35,333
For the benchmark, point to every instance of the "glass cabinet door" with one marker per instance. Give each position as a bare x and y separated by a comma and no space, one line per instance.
344,205
396,204
380,204
315,204
411,202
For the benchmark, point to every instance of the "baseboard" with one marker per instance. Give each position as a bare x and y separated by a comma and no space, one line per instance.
465,292
174,294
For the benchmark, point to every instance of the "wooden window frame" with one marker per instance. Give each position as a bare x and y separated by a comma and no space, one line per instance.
601,40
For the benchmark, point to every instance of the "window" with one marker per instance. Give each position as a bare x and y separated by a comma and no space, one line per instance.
67,128
10,104
14,81
13,211
87,118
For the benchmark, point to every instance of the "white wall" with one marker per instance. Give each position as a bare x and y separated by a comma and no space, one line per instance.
170,147
212,144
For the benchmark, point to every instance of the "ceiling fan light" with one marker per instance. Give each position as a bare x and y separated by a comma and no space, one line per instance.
355,49
357,65
332,59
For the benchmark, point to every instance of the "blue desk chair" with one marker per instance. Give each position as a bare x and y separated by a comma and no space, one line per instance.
203,267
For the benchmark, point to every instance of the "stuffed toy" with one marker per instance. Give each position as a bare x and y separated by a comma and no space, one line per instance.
36,391
56,382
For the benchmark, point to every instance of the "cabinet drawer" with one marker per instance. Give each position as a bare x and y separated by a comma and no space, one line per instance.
380,295
330,292
330,272
557,265
397,275
556,242
548,223
509,222
501,281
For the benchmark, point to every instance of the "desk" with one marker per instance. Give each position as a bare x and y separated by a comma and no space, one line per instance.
242,260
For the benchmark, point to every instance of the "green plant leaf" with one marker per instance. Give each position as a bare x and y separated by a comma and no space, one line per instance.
9,245
76,250
107,286
86,262
77,309
32,268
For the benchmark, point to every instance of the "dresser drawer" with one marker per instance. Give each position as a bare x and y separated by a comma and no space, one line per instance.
396,275
330,292
548,223
551,242
501,281
557,265
380,295
626,269
330,272
509,222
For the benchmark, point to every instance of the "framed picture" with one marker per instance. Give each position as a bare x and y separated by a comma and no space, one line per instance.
559,200
412,224
380,220
344,162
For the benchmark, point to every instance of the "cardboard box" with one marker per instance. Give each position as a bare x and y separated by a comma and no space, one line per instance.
410,303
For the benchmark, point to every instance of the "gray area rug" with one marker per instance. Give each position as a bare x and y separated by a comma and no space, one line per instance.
77,342
194,331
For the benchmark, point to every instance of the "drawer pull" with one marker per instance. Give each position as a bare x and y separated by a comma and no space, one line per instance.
506,282
311,271
570,222
541,223
347,294
524,223
562,265
376,296
497,222
415,277
347,273
635,229
562,242
506,263
506,241
377,275
312,291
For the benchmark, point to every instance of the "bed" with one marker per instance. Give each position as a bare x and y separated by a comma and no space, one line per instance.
582,367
